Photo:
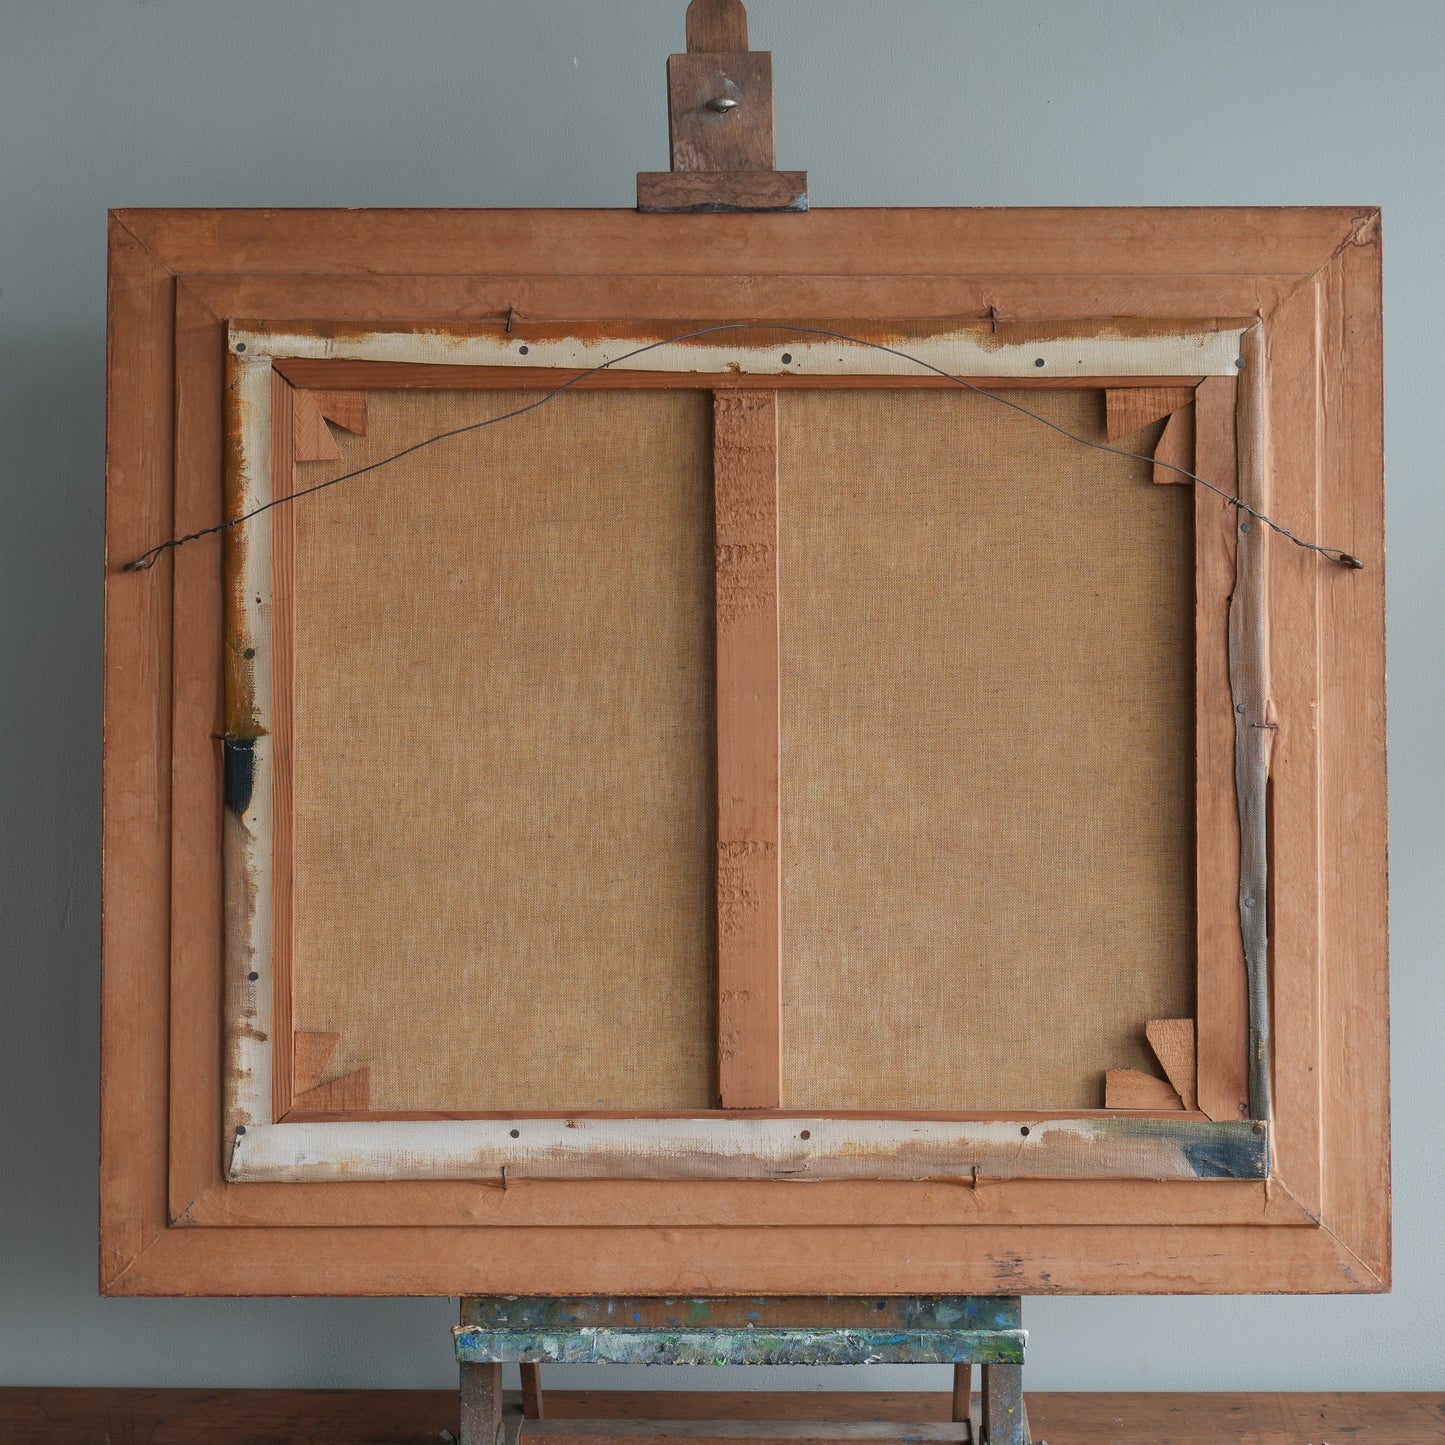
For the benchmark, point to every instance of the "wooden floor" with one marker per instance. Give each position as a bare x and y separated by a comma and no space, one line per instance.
400,1417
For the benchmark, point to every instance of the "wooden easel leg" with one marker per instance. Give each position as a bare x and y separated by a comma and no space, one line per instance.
962,1391
531,1391
1004,1421
481,1391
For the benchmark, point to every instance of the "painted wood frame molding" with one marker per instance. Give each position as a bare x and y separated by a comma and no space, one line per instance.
171,1223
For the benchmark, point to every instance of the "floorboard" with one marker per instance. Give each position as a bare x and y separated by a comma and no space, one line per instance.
39,1416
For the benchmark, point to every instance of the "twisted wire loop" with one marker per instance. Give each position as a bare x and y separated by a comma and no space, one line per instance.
149,558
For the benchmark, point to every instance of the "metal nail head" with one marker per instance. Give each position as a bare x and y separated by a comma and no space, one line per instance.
722,105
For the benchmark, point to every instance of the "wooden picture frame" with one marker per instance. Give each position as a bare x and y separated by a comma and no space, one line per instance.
1307,1206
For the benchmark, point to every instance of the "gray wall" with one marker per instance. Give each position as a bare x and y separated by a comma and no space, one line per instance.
558,103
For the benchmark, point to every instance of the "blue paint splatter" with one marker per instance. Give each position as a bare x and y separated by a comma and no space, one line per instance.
240,773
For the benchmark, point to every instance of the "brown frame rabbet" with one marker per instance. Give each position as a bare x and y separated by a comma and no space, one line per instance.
171,1224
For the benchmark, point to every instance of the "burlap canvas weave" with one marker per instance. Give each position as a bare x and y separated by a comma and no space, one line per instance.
504,786
504,776
987,752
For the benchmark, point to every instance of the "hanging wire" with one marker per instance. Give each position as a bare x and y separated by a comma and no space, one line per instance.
149,558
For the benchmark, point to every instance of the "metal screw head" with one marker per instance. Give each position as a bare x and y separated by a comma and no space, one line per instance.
722,105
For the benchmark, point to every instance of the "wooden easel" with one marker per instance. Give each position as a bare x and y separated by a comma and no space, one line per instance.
959,1330
720,105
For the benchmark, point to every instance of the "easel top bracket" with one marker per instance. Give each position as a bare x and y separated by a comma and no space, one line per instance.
720,120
